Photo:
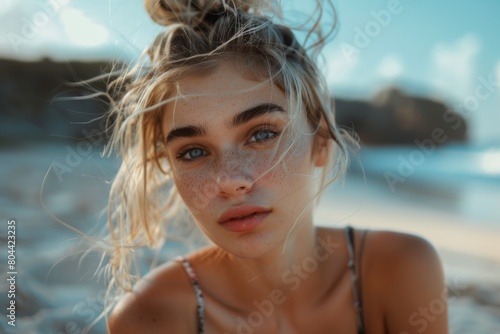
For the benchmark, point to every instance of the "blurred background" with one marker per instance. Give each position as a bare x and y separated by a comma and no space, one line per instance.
418,82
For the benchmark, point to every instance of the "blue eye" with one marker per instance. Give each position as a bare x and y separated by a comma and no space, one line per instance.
263,135
191,154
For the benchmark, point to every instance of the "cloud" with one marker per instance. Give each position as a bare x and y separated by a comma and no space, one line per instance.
29,31
390,67
81,30
339,67
7,6
498,71
453,65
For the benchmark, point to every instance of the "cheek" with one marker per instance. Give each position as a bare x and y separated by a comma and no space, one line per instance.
294,167
197,189
198,186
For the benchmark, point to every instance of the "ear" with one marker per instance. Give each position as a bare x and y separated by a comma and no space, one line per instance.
323,148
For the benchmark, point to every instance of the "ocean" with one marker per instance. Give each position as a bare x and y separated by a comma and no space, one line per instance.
454,189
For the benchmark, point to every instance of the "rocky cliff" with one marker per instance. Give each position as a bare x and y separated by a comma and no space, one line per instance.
38,100
393,117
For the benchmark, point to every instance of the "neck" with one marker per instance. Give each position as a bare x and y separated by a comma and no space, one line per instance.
301,266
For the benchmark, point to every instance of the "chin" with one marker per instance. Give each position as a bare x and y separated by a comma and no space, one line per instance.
251,245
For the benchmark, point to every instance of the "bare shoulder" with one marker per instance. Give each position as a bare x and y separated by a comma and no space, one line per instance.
163,299
401,253
399,245
406,271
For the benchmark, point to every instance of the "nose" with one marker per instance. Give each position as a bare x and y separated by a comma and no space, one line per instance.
234,179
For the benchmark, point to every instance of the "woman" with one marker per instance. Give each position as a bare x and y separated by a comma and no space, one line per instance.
231,120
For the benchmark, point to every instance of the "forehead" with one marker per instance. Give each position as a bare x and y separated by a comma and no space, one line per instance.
218,96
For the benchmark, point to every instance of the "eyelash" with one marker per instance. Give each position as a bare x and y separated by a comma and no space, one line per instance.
269,128
180,156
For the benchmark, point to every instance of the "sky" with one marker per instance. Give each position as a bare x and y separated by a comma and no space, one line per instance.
442,49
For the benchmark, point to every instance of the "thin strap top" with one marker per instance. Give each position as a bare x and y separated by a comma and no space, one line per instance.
197,290
349,233
358,306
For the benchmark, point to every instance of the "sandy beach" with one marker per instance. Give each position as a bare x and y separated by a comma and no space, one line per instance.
469,249
55,294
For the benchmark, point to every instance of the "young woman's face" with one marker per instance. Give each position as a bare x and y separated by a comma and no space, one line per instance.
224,148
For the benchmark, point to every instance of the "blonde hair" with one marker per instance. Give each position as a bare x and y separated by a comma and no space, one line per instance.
201,34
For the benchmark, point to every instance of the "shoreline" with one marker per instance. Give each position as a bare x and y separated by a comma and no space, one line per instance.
469,248
57,292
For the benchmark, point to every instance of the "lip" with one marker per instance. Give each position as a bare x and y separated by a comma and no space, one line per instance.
253,217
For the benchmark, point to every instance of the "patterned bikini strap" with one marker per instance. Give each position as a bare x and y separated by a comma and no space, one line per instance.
349,232
197,290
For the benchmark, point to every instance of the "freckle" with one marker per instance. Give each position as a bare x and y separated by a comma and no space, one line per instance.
154,319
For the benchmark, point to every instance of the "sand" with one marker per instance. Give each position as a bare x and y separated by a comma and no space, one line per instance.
56,295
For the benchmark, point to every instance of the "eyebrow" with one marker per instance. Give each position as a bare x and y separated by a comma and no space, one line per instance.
239,119
254,112
186,132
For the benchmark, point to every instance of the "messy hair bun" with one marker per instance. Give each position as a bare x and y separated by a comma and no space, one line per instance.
193,12
144,205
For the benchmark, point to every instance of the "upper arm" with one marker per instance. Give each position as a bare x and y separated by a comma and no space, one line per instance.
415,294
131,316
160,303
